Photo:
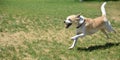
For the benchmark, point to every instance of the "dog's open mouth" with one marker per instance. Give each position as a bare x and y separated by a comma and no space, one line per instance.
68,25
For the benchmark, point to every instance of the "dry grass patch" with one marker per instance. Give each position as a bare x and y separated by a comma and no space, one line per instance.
19,37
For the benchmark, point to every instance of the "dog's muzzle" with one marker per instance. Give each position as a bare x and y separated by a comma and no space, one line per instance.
68,25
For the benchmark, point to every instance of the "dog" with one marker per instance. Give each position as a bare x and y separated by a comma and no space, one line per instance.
87,26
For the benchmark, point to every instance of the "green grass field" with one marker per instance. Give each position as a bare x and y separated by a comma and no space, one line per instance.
34,30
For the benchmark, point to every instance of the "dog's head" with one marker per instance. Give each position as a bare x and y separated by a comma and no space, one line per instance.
77,19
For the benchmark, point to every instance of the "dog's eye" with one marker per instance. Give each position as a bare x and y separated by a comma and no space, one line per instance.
70,20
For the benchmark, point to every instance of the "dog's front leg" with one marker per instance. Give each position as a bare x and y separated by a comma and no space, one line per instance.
75,38
73,44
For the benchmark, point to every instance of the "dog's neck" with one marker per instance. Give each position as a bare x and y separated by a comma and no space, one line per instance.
80,23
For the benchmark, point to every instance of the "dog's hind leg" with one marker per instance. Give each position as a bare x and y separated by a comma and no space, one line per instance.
109,27
103,30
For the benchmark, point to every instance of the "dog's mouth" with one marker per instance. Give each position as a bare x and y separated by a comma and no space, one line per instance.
68,25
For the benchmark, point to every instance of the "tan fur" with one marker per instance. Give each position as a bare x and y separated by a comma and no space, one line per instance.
97,23
90,24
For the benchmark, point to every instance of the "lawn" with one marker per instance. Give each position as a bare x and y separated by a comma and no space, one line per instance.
34,30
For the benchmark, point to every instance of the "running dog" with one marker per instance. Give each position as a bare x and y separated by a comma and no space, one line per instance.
88,26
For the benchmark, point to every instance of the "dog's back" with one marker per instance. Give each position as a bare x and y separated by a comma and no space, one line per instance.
93,25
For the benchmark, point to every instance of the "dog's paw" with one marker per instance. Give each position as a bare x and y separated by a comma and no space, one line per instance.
70,48
73,38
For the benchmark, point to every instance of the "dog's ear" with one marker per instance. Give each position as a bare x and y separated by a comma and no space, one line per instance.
78,16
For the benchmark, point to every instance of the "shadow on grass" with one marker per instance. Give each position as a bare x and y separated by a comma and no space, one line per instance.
99,47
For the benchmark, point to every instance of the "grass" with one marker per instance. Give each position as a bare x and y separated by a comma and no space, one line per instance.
34,30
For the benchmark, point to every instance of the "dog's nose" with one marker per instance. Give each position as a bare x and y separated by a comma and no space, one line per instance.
64,21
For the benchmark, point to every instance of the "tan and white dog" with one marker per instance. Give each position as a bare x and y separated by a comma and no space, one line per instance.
88,26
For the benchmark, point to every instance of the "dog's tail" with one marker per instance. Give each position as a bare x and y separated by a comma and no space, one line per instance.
103,9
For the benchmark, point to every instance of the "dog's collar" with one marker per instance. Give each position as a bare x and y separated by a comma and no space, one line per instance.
79,25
